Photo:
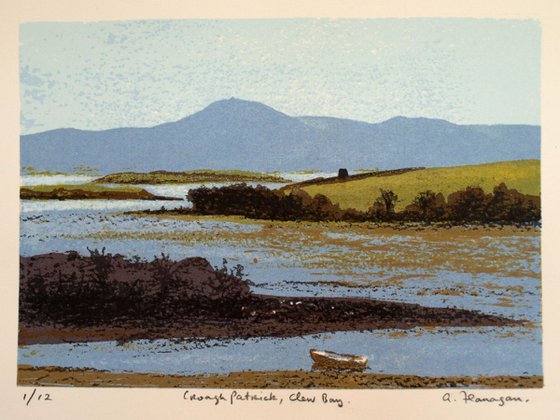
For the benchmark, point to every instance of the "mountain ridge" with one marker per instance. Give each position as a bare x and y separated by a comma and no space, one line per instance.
238,134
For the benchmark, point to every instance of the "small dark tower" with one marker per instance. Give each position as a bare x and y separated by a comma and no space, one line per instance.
343,173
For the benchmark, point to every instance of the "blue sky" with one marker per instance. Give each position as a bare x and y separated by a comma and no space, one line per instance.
141,73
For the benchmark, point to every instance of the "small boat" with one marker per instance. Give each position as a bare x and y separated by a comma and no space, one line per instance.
329,360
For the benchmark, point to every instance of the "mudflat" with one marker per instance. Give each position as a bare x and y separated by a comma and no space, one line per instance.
58,376
268,316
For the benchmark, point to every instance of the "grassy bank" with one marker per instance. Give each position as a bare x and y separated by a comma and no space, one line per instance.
84,192
49,376
360,193
189,177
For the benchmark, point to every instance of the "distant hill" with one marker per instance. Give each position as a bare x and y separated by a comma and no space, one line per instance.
238,134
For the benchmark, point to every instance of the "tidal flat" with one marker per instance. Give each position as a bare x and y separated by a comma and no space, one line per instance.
491,269
490,265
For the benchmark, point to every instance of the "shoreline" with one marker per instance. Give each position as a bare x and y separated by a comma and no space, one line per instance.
58,376
269,316
505,228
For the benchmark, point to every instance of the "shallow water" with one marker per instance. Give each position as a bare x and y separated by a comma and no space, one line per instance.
304,268
444,352
28,180
60,208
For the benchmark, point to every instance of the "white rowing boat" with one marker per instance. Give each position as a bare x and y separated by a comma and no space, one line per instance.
329,360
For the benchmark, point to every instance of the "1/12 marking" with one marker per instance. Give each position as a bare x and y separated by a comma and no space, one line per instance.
35,396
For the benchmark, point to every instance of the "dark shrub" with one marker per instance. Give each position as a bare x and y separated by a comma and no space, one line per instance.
468,205
384,206
240,199
71,288
509,205
504,205
262,203
426,206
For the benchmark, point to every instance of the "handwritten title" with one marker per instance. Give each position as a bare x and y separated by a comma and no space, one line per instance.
235,397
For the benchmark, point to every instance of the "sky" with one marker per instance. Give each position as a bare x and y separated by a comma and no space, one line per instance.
101,75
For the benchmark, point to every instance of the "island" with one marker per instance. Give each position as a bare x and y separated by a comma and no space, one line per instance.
86,192
189,177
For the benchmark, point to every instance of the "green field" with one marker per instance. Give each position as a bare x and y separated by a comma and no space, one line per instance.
359,194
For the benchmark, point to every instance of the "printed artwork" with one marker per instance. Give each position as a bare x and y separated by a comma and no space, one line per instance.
283,203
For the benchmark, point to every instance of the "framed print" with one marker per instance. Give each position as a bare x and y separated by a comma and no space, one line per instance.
239,209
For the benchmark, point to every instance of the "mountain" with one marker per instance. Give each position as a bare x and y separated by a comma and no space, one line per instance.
238,134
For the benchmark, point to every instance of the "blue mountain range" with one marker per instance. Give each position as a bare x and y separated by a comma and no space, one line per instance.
239,134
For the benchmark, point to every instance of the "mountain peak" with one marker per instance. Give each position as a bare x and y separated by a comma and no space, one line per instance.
233,103
238,109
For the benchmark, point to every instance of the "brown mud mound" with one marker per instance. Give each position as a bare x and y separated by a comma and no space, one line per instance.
68,297
266,316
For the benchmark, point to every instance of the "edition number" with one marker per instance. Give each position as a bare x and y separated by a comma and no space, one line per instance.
34,396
